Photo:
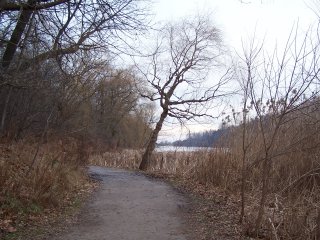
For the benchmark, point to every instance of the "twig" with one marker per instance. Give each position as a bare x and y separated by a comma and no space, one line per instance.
274,230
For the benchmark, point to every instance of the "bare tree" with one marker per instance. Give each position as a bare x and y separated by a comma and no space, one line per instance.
177,73
61,27
45,43
277,86
246,71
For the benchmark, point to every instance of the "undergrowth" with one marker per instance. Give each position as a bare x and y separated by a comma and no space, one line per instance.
38,179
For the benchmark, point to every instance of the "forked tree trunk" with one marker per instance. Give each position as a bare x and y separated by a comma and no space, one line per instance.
152,142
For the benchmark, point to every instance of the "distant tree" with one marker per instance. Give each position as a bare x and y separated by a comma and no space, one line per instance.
201,139
177,72
116,104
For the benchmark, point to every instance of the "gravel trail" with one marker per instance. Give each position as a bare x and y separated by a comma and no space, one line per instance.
130,206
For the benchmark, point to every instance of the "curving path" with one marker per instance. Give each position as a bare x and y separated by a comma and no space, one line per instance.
130,206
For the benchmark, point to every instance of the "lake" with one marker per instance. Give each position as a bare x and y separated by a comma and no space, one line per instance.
179,149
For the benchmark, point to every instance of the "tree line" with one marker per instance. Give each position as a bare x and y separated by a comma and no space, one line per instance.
208,138
56,73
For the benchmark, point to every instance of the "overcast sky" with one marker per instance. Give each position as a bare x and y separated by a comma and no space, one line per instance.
238,21
268,18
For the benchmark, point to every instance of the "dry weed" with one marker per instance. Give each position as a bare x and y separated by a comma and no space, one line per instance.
36,177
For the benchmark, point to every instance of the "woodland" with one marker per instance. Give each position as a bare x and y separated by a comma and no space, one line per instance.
65,102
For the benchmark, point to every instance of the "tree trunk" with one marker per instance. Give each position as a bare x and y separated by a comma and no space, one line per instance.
244,152
16,36
4,112
244,172
243,189
264,191
152,142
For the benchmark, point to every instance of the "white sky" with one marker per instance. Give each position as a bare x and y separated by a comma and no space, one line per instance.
271,20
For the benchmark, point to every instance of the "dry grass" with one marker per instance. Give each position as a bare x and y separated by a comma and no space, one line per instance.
292,209
180,163
34,178
293,202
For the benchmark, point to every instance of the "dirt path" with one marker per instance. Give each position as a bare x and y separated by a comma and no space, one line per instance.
130,206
